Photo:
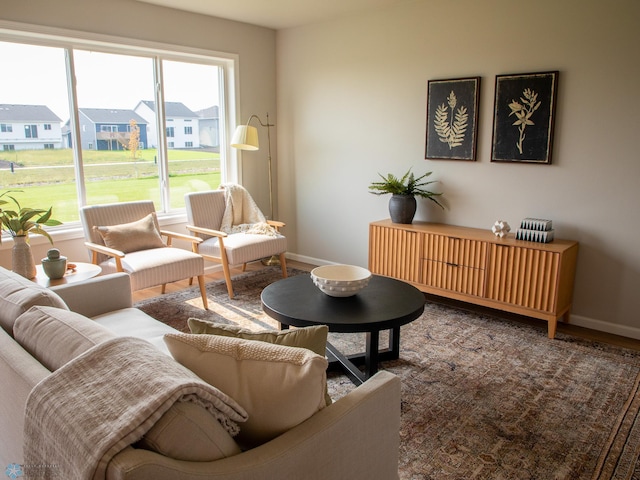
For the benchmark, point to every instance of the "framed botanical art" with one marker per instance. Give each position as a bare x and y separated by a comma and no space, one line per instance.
452,119
523,117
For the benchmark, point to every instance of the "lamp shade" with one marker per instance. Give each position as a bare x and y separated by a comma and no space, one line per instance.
245,138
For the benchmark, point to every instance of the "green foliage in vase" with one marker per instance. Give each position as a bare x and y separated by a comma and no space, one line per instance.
21,221
408,184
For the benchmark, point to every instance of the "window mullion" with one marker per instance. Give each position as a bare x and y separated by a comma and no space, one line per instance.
74,125
163,157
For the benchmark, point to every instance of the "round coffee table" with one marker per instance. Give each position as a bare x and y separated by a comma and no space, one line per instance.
385,304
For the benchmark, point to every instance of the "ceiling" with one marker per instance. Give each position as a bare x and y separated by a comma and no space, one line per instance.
276,14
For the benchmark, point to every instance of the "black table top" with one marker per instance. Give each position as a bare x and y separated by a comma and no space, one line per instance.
383,304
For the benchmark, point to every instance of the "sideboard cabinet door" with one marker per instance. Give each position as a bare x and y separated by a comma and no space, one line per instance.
395,252
524,276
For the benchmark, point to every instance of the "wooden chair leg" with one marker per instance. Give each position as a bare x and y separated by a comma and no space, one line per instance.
283,265
244,267
203,292
163,288
227,276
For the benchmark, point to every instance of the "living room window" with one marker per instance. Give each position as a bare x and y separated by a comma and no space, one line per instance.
112,145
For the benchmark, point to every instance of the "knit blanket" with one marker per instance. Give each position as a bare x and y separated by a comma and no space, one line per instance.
83,414
242,214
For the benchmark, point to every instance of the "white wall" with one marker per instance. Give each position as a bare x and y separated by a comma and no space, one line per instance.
351,103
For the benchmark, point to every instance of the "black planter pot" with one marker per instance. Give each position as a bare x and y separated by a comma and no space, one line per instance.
402,208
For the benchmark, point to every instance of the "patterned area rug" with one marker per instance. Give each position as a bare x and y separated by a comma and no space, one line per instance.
482,397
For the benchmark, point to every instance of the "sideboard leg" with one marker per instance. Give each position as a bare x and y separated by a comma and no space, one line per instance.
553,325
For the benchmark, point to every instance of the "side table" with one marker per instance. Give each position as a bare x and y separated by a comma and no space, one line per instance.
82,272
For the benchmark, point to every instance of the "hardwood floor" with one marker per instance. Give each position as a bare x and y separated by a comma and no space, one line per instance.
575,330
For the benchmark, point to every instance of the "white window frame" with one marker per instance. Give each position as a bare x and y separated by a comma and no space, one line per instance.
71,39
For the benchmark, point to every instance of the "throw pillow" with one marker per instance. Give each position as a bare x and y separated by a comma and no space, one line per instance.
279,386
313,338
188,432
54,336
142,234
18,294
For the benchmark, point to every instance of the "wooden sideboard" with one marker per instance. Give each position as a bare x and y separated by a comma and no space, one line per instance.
476,266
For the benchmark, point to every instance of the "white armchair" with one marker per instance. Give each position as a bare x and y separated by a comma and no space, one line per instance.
205,212
126,237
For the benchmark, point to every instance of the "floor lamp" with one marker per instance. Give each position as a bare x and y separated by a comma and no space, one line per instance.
246,138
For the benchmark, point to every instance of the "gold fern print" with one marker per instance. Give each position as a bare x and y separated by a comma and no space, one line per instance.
451,130
523,110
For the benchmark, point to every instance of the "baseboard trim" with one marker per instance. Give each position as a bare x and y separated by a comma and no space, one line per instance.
599,325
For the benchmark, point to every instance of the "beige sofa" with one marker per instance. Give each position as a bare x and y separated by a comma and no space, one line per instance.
356,437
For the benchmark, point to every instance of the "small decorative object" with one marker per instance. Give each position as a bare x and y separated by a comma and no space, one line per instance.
524,113
340,280
535,230
501,228
402,206
452,119
19,223
54,265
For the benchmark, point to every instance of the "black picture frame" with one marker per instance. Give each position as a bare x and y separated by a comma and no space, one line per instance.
524,117
452,119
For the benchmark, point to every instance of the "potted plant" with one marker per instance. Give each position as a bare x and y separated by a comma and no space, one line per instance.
19,222
402,205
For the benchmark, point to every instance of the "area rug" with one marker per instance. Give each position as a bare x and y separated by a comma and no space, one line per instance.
483,397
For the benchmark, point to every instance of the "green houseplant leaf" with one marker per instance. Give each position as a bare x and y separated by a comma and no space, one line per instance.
21,221
408,184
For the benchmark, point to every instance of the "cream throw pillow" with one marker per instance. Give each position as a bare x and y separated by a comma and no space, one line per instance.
142,234
55,336
188,432
313,338
18,294
279,386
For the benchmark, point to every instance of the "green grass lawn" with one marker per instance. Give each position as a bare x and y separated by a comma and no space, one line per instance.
47,178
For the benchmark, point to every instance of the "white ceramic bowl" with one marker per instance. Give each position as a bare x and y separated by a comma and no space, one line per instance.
340,280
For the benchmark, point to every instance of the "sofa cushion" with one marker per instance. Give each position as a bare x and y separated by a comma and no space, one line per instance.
188,432
142,234
278,386
18,294
54,336
313,338
132,322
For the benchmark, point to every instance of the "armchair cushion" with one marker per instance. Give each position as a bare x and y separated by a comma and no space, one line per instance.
279,386
142,234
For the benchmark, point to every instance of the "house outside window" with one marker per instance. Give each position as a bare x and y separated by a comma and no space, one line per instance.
9,148
170,132
6,128
47,126
188,130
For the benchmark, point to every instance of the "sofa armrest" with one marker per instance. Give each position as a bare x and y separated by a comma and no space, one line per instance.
357,437
97,295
